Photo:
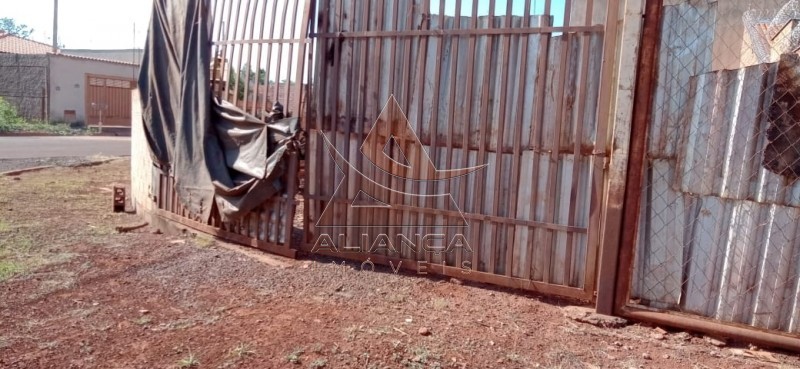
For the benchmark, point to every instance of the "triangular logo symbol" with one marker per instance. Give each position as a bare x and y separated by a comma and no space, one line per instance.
394,151
363,200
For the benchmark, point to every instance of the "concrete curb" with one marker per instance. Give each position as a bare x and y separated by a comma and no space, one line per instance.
23,171
36,169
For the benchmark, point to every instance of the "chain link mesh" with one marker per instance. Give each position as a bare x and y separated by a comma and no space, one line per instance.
721,202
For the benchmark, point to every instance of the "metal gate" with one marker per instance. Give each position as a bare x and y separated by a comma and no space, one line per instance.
108,100
461,138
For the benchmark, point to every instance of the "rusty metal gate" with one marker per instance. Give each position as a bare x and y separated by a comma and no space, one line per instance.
259,51
108,100
461,138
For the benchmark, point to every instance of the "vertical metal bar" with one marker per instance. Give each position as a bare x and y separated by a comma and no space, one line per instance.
291,191
422,67
260,53
505,65
268,67
536,128
305,88
334,104
406,80
221,49
451,113
348,99
304,53
517,157
433,125
614,301
360,95
250,60
377,57
367,87
552,185
320,87
485,116
176,201
161,193
467,119
578,137
240,48
292,35
608,262
280,54
394,215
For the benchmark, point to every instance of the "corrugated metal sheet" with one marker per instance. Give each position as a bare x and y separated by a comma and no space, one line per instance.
370,69
732,260
717,231
686,50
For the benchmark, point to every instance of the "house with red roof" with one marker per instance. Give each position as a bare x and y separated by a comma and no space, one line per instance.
50,84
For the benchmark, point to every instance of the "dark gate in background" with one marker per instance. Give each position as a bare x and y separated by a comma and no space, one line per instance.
259,54
513,85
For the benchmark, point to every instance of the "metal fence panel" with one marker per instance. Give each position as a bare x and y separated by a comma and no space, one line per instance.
512,85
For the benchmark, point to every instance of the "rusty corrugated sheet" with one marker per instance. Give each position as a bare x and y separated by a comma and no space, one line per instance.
460,112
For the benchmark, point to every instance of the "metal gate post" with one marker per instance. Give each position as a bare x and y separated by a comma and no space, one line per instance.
616,116
643,110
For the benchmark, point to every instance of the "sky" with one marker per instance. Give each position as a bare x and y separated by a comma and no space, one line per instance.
84,24
500,8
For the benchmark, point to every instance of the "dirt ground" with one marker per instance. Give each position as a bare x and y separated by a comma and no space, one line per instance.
75,293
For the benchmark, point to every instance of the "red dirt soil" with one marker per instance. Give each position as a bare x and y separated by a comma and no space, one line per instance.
76,294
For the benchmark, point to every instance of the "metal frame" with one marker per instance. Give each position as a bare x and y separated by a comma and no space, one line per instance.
404,36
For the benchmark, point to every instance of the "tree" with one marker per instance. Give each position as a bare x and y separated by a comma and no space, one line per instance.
10,26
245,76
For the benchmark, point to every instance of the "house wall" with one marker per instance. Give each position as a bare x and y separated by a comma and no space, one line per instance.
68,79
23,83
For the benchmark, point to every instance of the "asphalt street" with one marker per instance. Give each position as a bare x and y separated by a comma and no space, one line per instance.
59,146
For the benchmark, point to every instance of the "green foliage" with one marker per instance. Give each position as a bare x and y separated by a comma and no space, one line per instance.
245,75
9,25
11,122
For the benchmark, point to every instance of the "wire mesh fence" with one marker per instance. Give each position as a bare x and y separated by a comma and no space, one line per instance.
718,218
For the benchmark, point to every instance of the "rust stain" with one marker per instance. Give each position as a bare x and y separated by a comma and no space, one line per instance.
782,152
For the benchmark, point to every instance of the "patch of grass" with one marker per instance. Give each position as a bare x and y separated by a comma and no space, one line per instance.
9,268
190,361
421,355
203,241
352,331
143,320
242,351
567,360
11,122
396,298
317,364
4,226
514,358
441,304
318,348
294,356
51,345
176,325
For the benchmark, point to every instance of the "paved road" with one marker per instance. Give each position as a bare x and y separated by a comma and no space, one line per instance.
48,147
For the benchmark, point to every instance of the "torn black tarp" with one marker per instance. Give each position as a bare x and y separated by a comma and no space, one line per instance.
217,153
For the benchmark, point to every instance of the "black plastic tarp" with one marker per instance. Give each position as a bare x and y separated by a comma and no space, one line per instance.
217,153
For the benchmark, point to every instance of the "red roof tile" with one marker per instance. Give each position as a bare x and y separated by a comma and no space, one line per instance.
17,45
